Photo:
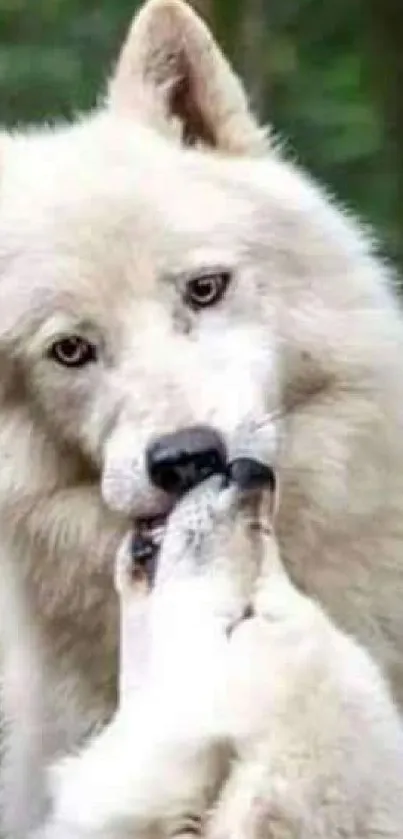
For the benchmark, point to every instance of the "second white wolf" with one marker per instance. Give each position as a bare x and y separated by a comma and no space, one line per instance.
249,715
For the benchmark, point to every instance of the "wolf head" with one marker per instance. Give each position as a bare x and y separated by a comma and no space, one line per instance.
161,266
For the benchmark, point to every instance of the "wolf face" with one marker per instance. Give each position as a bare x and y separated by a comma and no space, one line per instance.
131,312
161,267
147,287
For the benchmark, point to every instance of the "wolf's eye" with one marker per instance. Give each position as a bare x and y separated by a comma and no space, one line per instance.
206,289
73,351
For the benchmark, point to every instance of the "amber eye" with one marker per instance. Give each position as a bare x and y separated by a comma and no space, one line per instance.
206,289
73,351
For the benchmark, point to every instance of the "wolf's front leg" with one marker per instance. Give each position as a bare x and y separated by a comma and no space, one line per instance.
136,779
318,739
156,769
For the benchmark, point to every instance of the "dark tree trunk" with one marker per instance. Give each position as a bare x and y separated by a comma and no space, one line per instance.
238,27
385,19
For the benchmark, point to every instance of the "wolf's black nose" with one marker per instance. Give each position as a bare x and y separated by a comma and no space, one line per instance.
178,461
251,474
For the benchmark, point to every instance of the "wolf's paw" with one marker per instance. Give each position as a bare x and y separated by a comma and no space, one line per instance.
254,804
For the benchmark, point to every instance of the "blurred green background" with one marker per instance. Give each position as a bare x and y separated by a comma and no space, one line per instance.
327,73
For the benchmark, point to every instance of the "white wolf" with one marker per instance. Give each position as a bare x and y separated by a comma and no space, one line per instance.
245,712
163,267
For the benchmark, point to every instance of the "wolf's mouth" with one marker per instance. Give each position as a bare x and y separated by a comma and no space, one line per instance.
146,542
247,474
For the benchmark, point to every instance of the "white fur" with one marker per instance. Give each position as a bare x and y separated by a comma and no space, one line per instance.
101,223
282,728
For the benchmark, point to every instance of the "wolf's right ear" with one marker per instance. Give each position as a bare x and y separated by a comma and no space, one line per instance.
172,74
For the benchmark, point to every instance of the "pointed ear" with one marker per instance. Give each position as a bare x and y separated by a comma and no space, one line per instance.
173,75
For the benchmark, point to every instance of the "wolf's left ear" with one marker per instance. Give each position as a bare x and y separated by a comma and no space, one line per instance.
173,75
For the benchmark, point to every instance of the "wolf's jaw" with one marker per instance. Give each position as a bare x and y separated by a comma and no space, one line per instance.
153,527
248,475
148,535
